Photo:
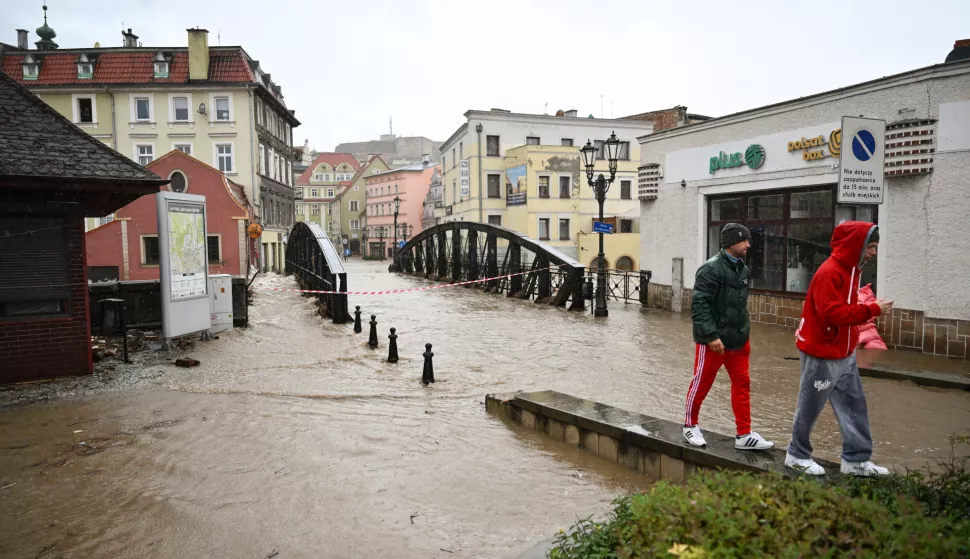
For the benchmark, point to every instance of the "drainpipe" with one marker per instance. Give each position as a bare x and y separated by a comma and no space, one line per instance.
252,172
481,217
114,133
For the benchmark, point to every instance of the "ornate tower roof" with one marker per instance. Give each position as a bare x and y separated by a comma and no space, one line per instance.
46,34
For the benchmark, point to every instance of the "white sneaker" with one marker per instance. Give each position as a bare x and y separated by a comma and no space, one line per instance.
694,436
806,465
752,441
863,469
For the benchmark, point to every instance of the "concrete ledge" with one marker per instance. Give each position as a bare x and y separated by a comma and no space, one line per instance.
653,446
924,378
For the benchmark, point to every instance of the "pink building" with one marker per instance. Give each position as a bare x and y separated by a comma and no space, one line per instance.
410,184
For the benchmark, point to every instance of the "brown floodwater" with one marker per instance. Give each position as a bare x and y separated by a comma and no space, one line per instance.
293,437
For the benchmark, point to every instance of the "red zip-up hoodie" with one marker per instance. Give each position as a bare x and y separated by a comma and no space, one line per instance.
831,315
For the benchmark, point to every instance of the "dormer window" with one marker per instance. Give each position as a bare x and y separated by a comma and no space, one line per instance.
31,68
85,67
161,66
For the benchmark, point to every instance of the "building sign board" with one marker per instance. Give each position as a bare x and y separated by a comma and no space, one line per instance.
465,174
862,161
183,263
515,186
753,157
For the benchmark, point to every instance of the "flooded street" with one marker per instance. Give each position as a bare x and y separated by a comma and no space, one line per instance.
293,437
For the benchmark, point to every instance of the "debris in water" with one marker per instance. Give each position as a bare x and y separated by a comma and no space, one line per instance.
78,431
272,554
414,515
187,362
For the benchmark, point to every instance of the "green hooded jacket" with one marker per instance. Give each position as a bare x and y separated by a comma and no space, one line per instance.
719,304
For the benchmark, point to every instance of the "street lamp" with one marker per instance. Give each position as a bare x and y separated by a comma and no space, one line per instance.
397,207
380,230
600,187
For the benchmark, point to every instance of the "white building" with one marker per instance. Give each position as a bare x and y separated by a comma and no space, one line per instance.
789,202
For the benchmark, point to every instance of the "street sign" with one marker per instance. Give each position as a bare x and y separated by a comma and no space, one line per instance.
862,161
400,244
601,227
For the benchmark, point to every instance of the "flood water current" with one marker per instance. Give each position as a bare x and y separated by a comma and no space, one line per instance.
293,438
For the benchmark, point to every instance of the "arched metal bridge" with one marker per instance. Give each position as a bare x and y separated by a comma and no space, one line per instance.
467,251
311,256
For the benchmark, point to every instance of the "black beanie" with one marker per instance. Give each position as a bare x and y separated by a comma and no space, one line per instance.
734,233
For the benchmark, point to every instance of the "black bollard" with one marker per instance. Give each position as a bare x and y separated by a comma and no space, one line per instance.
392,347
357,327
372,342
428,376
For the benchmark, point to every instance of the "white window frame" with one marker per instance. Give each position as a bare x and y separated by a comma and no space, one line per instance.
259,112
353,205
558,186
314,193
77,113
549,221
85,61
289,173
548,176
138,155
133,98
315,209
171,107
212,104
162,69
262,159
354,224
232,157
330,193
175,145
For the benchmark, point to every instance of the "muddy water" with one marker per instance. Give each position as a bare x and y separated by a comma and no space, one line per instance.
293,437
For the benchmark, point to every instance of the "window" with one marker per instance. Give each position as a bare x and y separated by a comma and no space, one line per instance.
625,190
85,110
626,226
495,220
180,109
624,151
624,263
454,160
161,66
543,228
543,187
563,229
600,152
149,250
41,285
314,192
184,148
262,159
144,154
329,193
315,209
454,191
259,112
491,146
531,140
564,187
178,184
790,233
354,206
224,157
31,68
213,245
222,108
142,109
354,224
494,185
85,68
567,142
461,151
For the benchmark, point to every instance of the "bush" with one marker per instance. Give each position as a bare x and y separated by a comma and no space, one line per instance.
728,514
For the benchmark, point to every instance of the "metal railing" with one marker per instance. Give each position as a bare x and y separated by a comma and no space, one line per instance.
312,258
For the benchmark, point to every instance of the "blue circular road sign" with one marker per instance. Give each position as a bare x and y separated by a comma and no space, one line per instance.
863,145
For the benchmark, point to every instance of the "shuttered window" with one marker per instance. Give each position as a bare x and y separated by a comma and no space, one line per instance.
34,267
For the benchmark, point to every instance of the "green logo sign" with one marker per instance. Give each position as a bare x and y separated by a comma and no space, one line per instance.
753,157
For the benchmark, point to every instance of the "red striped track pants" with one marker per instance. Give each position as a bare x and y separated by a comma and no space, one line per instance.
706,365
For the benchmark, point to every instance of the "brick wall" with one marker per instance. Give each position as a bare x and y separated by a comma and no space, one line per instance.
45,348
902,329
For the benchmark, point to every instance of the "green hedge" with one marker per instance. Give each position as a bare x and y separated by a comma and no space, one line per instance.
729,514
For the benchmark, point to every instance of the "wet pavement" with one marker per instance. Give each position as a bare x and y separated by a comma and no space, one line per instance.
293,437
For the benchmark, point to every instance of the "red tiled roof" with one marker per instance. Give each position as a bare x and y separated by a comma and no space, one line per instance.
332,159
127,67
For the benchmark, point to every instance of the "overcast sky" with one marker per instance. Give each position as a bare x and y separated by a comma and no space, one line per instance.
346,67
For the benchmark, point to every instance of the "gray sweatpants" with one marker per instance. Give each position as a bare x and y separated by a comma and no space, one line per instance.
836,380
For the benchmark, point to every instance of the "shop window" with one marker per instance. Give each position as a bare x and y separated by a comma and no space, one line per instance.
790,233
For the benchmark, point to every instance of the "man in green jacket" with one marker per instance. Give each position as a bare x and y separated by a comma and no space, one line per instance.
719,309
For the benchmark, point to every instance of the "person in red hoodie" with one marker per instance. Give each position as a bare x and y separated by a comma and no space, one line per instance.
827,336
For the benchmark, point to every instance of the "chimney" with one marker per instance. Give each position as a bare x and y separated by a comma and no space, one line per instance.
426,159
130,39
572,113
22,39
198,54
961,51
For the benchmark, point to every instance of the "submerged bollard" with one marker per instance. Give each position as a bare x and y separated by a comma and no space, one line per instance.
357,327
392,347
428,376
372,342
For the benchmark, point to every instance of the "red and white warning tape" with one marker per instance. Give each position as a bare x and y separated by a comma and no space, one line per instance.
392,291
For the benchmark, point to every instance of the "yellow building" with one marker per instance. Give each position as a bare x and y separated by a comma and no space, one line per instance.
533,181
214,103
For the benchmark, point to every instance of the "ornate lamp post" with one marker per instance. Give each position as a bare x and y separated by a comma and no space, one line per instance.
600,187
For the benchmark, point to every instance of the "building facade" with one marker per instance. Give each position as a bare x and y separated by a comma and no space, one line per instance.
326,177
783,188
213,103
408,184
433,201
351,203
542,152
127,247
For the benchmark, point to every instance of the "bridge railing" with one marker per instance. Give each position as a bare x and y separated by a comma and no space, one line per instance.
313,259
624,285
507,262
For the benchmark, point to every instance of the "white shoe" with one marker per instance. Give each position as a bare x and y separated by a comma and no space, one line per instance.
863,469
694,436
752,441
806,465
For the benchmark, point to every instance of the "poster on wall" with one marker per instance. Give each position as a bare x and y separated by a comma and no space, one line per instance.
515,186
862,162
183,263
465,173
